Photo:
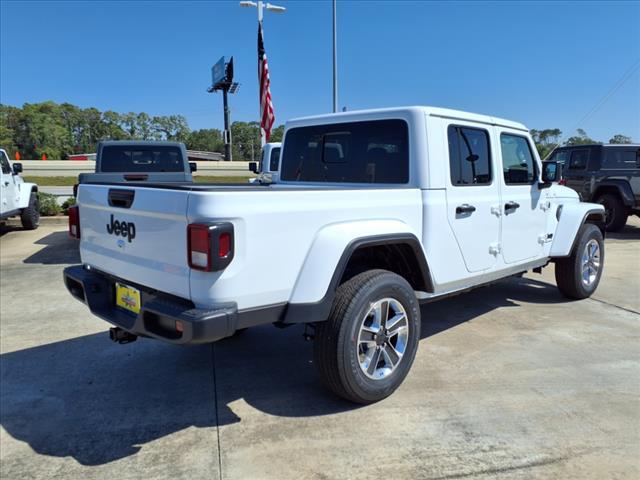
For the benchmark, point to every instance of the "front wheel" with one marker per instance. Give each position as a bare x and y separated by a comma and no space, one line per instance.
365,349
30,216
578,275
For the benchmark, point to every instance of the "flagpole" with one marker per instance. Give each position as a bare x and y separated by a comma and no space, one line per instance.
335,60
260,5
263,139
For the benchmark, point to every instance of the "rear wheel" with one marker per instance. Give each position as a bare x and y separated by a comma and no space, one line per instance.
578,275
30,216
615,212
365,349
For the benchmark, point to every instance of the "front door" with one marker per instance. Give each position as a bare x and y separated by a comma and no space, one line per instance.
524,205
8,187
473,196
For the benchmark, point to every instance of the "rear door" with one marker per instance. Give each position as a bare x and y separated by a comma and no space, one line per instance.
138,234
473,195
524,204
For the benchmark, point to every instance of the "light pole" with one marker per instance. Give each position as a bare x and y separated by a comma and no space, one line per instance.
272,8
335,60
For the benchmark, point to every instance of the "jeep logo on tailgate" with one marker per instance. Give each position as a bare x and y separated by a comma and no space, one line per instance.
124,229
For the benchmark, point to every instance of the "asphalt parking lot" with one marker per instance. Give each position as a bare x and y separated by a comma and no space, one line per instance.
510,381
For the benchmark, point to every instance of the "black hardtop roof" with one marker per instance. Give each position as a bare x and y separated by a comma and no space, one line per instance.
141,143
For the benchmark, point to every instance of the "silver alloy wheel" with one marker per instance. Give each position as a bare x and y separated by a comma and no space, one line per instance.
590,262
383,338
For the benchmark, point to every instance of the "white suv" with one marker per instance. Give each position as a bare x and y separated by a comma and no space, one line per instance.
18,197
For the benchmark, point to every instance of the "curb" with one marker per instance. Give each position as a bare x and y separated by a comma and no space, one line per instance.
46,221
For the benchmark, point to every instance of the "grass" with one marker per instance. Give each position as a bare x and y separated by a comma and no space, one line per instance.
71,181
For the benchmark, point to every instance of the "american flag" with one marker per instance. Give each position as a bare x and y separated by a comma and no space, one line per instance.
267,117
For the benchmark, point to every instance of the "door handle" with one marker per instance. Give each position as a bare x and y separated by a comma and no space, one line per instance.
465,208
511,206
6,184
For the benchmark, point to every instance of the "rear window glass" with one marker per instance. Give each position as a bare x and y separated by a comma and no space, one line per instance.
357,152
620,158
123,158
578,159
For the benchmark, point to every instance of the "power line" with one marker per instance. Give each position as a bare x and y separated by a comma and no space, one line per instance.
621,81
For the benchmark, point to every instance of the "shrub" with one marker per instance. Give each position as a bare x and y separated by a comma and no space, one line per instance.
48,204
69,202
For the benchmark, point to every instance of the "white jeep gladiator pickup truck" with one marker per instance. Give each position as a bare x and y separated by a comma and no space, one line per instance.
376,211
17,196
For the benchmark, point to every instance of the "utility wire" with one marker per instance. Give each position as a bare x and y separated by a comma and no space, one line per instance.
621,81
626,76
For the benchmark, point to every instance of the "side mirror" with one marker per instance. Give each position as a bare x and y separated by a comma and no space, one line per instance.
193,166
253,167
551,172
17,168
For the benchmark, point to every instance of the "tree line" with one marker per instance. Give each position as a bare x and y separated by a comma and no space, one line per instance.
59,130
547,140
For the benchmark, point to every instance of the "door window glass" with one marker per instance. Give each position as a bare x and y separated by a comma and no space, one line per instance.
518,165
6,168
579,159
469,156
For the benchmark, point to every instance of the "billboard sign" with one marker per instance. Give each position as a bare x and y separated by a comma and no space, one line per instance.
218,72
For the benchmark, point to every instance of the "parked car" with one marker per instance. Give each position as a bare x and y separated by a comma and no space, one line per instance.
376,212
18,197
605,174
268,169
140,161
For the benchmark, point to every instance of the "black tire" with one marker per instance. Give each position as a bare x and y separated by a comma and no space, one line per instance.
30,216
569,270
336,341
615,212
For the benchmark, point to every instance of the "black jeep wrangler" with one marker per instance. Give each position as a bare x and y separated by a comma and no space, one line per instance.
606,174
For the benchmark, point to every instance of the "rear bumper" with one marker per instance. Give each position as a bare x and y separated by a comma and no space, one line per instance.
159,313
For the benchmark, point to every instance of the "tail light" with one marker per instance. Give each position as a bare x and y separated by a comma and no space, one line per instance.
74,222
210,246
562,181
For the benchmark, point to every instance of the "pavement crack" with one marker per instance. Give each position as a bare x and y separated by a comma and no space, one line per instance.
215,400
630,310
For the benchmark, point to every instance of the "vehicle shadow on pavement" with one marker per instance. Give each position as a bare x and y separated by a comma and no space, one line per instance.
629,232
59,249
5,228
97,401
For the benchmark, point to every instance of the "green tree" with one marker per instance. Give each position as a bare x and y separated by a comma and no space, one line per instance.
172,127
245,139
207,140
546,140
277,134
581,139
620,139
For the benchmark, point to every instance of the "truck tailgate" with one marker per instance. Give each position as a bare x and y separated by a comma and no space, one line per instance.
135,233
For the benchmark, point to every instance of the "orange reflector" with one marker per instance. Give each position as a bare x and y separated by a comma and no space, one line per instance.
179,326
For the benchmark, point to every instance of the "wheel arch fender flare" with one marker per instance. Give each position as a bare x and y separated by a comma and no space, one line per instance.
26,189
621,186
327,259
571,217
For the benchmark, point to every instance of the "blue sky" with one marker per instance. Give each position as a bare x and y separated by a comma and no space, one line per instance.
545,64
